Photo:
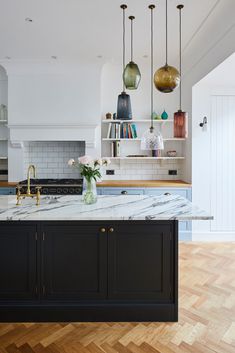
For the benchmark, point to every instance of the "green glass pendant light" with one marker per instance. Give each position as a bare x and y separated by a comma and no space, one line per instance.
131,74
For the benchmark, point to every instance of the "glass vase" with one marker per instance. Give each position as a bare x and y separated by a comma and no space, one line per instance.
89,191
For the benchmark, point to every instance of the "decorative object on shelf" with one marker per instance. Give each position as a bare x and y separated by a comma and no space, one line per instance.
90,170
3,112
155,116
114,116
171,153
124,102
131,73
164,115
152,140
156,153
180,117
167,78
108,116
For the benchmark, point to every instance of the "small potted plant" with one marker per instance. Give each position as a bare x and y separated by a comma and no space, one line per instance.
90,170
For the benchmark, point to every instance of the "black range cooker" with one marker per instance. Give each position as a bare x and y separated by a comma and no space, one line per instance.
54,186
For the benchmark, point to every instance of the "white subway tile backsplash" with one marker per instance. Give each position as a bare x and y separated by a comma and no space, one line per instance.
144,170
51,158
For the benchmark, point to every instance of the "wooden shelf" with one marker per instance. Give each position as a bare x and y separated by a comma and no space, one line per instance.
145,158
106,121
139,139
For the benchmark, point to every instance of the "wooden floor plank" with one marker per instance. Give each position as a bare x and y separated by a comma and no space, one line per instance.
206,316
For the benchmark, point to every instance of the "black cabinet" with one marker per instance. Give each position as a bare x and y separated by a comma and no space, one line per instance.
140,262
18,262
74,262
89,271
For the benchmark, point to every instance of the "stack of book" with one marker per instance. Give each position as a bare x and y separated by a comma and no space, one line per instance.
125,130
128,131
114,131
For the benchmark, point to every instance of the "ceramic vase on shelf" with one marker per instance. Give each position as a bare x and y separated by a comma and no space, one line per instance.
89,191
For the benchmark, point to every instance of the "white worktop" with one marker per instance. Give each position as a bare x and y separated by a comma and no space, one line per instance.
123,207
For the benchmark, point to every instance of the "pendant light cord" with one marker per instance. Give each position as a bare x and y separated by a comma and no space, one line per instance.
180,63
124,43
151,58
166,32
180,7
131,38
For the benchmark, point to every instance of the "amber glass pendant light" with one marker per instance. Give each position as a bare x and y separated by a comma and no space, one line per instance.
124,102
167,78
131,74
152,140
180,117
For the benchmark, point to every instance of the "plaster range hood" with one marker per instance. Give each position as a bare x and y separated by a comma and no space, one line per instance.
18,134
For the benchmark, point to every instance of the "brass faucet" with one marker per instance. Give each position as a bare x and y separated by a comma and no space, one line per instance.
31,167
20,196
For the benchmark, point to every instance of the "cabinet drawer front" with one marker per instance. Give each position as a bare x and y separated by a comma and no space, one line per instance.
74,262
122,191
7,191
162,191
18,247
141,262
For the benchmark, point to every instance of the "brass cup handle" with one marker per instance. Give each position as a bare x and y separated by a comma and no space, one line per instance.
124,192
103,230
111,230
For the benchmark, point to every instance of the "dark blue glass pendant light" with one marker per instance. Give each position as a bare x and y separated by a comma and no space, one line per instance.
124,102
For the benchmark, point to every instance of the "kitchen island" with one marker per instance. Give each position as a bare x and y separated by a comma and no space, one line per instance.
116,260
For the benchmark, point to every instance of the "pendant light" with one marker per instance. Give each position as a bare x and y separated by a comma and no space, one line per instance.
180,117
124,101
167,78
131,74
152,140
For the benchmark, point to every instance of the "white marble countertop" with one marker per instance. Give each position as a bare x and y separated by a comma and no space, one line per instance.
123,207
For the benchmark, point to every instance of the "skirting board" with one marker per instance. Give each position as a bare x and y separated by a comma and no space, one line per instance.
213,236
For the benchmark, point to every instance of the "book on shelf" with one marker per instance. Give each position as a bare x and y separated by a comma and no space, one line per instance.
128,131
114,131
115,149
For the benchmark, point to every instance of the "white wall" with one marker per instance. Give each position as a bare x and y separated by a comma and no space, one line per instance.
61,95
212,152
65,95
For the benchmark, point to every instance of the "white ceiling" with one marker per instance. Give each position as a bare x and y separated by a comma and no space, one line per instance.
76,30
222,75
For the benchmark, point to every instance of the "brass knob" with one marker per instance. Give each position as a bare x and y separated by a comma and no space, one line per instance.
124,192
103,230
111,230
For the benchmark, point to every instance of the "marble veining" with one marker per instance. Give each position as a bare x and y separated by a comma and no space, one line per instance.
121,207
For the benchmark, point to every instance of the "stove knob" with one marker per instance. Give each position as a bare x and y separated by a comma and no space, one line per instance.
71,190
58,190
45,191
65,191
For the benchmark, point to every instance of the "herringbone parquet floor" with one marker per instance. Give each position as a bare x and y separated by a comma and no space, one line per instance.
206,323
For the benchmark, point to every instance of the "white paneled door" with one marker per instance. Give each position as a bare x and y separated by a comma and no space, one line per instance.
213,162
222,151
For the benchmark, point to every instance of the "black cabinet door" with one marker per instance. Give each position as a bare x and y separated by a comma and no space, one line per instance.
74,260
18,267
140,261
